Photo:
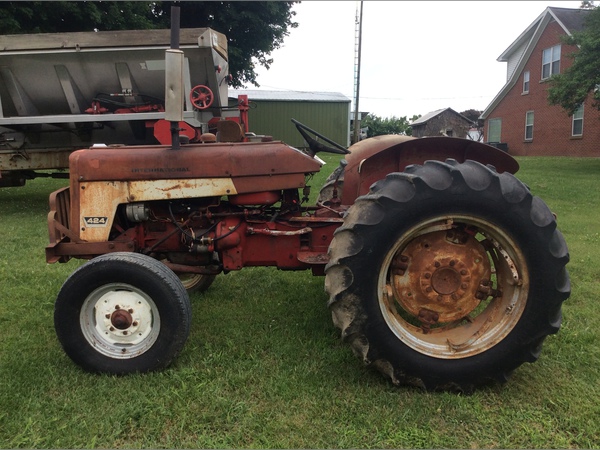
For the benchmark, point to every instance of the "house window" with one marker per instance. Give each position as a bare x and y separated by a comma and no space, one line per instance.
494,129
526,82
550,61
578,122
529,125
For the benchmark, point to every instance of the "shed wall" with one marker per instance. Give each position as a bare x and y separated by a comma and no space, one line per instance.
273,118
438,125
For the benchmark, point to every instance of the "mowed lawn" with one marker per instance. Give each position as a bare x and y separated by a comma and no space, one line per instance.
264,366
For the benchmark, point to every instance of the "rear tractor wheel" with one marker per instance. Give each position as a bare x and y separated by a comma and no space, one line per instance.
447,276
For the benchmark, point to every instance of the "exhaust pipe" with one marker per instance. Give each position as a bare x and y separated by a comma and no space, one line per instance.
174,96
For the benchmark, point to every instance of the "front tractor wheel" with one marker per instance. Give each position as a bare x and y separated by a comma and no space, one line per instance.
121,313
448,275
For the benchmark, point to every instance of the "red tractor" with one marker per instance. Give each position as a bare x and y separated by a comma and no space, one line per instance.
443,270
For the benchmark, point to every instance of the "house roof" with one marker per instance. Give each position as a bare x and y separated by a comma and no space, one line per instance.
282,96
570,20
430,115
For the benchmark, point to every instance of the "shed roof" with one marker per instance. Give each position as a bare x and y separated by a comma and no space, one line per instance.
283,96
430,115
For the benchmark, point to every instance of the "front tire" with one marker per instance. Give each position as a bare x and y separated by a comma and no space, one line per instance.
447,276
122,313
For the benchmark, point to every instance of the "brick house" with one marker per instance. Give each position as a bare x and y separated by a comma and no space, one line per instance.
442,122
519,117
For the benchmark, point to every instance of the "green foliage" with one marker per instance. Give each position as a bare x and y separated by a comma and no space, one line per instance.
378,126
471,114
572,87
253,29
64,17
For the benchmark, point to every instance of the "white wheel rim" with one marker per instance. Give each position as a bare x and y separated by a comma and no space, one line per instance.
119,321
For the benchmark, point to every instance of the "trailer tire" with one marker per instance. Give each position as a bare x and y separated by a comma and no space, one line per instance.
122,313
413,256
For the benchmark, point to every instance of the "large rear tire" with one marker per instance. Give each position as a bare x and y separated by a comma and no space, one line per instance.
447,276
122,313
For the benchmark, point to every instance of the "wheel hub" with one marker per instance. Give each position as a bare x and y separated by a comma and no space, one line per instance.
445,280
437,275
123,317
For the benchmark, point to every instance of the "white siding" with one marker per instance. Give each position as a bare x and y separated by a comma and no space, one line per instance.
514,59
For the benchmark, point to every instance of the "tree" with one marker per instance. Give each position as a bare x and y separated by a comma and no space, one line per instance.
472,115
63,17
253,28
572,87
378,126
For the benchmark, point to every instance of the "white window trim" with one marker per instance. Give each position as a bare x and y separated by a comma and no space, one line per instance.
573,119
529,125
526,78
552,60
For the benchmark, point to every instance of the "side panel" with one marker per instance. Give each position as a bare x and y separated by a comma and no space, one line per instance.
98,201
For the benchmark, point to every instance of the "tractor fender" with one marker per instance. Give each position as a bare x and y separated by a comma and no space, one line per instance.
372,159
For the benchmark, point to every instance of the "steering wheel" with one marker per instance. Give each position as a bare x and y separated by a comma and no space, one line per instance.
201,96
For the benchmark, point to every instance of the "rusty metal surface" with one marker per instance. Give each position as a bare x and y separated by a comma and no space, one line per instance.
182,268
312,258
318,219
372,159
269,232
33,159
85,250
454,287
437,277
214,160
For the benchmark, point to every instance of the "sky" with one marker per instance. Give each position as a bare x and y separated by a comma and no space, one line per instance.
416,56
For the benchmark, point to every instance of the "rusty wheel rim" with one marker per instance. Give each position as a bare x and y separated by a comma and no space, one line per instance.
453,287
120,321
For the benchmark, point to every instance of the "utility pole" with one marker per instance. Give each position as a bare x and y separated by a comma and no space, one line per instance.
357,50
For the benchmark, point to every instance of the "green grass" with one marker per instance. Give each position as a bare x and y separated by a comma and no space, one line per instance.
264,366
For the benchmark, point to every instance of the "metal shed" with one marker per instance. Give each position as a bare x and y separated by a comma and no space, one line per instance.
271,112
